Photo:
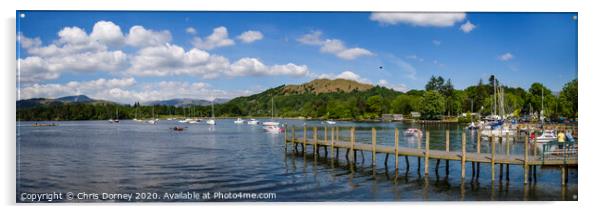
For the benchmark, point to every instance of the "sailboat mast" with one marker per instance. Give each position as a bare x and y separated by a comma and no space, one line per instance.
494,97
272,108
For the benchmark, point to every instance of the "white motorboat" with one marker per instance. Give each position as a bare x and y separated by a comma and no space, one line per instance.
546,136
273,129
152,122
253,122
239,121
271,123
331,122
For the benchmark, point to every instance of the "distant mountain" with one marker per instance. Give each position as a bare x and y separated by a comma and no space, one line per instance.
179,102
318,86
34,102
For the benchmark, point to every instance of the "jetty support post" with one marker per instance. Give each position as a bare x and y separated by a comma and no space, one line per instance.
396,149
304,139
352,133
508,156
492,159
373,146
325,141
315,141
478,152
285,138
293,139
447,150
426,154
332,141
463,155
526,160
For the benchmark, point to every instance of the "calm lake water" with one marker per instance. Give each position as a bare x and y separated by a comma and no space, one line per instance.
130,157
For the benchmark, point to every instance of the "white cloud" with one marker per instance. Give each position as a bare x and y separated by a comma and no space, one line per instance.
191,31
108,33
250,36
333,46
74,51
348,75
141,37
467,27
219,38
73,88
174,60
506,57
396,87
254,67
436,42
418,19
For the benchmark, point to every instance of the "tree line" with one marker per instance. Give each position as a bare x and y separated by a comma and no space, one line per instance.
439,98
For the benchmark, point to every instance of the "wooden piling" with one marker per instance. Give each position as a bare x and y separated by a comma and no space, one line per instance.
426,154
492,160
446,150
332,141
304,138
526,160
293,139
325,140
352,133
478,153
463,155
396,149
285,138
508,155
373,146
315,141
563,175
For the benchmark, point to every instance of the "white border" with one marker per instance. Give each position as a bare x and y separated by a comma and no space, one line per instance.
589,77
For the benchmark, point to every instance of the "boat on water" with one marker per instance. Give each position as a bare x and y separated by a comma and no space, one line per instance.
546,136
331,122
253,122
271,122
273,129
413,132
212,120
116,120
472,126
239,121
153,121
178,128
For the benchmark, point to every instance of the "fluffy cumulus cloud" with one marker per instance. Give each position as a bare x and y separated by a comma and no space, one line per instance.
127,90
91,87
219,38
396,87
250,36
174,60
505,57
73,51
467,27
254,67
418,19
333,46
191,31
107,33
142,37
348,75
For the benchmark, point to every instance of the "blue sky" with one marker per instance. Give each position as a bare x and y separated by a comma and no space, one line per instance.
141,56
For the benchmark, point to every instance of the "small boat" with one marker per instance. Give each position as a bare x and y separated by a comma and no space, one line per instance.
472,126
212,120
270,123
152,122
116,120
331,122
413,132
252,122
546,136
273,129
113,121
239,121
178,128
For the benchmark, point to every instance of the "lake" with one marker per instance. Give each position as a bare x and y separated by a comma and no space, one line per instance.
156,163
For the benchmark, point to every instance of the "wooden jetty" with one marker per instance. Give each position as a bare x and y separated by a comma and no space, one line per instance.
528,161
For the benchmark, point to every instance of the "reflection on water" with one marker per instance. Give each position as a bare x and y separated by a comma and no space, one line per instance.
94,156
